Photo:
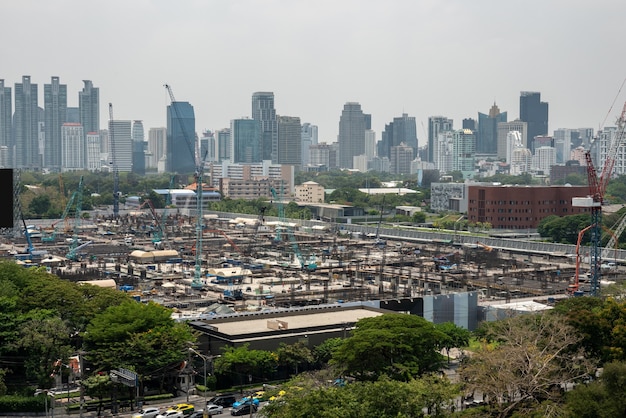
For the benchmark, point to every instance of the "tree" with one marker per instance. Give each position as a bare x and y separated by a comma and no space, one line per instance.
293,355
600,398
397,345
323,353
138,336
384,398
39,205
533,356
243,362
455,336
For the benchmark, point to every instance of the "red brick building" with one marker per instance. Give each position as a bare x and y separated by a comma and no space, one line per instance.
521,207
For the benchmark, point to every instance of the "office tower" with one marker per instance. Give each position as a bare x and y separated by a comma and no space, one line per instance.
504,128
543,141
94,157
208,152
544,158
351,139
400,159
157,145
72,147
402,130
535,113
487,137
443,152
309,137
139,157
89,107
26,125
223,144
55,110
120,145
564,140
264,112
469,123
6,123
464,151
370,143
245,141
181,138
436,125
289,141
585,136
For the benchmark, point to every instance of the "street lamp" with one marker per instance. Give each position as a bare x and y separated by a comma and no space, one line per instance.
204,359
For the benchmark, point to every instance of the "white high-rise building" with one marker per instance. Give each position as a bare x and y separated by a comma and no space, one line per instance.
121,145
443,152
513,141
94,157
521,161
157,138
72,147
309,137
504,128
544,158
370,143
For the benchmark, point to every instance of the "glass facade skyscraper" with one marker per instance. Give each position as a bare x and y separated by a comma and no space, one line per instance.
487,138
535,113
351,138
26,126
6,125
245,141
181,142
264,112
139,156
55,111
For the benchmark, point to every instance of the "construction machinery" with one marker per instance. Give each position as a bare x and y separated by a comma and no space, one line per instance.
76,245
116,173
595,200
197,278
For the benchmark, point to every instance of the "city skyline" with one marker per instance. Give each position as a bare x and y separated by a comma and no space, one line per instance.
418,58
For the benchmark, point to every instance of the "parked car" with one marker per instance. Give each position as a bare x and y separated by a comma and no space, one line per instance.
170,414
198,414
243,409
226,400
245,401
147,413
213,409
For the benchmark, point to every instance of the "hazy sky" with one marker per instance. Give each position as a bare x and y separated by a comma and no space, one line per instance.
421,57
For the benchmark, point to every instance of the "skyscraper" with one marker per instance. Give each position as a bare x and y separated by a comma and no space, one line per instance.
309,137
223,144
503,130
181,142
401,130
157,145
73,150
400,159
6,125
139,156
89,107
121,145
289,141
464,151
55,111
487,138
535,113
351,138
436,125
264,112
245,141
26,125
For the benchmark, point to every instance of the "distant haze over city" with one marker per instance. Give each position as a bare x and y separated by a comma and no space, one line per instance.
451,58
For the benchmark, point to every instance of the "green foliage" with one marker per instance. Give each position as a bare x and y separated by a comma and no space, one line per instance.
381,399
40,205
525,178
601,398
15,403
294,355
323,353
397,345
136,335
242,362
564,229
455,336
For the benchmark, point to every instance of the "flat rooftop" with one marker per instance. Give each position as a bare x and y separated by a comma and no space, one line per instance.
248,325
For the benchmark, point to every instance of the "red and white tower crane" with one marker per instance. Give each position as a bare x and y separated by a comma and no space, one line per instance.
595,200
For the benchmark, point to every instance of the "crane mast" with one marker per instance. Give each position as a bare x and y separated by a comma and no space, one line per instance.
597,189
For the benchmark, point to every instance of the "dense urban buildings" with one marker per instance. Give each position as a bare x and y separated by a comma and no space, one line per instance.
436,125
535,113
